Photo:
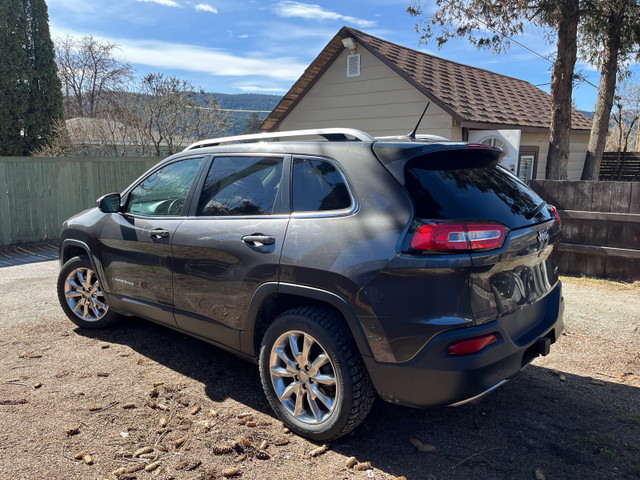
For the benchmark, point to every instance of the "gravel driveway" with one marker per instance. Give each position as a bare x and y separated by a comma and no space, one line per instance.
142,401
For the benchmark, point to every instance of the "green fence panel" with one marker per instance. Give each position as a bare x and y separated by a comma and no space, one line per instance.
38,194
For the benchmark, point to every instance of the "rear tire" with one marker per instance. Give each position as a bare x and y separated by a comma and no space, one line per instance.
313,375
81,297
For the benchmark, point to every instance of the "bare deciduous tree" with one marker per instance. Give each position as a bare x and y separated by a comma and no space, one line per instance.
88,70
170,113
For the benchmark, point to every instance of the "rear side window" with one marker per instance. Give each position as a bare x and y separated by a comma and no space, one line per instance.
241,186
318,186
483,193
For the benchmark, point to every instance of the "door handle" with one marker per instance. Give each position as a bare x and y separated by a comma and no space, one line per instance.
159,233
258,240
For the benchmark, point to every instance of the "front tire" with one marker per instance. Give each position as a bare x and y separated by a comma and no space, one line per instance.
313,375
81,297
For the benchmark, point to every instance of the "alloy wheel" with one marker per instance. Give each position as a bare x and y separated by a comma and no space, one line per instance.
303,377
84,296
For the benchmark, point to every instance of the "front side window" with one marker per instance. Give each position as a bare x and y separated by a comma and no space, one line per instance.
318,186
164,192
241,186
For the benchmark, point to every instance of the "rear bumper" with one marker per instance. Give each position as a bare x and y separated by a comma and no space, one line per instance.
434,378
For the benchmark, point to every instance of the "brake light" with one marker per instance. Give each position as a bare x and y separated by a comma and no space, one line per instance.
555,214
472,345
458,236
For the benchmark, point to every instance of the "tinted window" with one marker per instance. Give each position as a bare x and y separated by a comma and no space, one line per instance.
318,185
488,193
241,186
164,191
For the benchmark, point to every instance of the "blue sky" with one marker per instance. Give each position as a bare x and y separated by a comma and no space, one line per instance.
263,46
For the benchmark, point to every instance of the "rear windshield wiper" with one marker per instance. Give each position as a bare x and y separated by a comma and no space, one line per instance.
535,211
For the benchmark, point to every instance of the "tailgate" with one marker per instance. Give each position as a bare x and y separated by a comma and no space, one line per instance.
516,276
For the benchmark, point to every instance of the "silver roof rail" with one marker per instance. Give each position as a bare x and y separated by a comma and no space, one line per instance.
333,134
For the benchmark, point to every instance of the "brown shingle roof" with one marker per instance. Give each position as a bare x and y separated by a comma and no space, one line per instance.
470,95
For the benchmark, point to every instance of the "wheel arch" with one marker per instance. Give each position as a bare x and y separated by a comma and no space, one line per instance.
272,299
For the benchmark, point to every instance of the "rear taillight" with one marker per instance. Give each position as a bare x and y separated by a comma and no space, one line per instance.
458,236
472,345
555,214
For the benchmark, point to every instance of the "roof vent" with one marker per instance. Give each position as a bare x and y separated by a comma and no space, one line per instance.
353,65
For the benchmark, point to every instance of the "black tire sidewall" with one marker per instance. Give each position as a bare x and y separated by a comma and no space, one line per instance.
72,264
332,427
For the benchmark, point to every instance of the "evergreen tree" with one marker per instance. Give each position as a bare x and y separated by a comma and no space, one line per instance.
253,123
14,77
45,106
30,93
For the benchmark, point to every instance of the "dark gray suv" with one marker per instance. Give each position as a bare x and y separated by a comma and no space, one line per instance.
343,265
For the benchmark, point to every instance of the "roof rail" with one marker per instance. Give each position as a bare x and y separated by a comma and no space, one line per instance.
331,134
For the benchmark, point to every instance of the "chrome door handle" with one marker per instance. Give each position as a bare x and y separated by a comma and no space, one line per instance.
159,233
258,240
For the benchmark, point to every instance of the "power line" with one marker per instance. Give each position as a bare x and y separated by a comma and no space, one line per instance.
522,45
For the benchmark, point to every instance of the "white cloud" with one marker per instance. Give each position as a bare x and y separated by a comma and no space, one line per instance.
200,59
179,56
204,7
166,3
288,8
255,88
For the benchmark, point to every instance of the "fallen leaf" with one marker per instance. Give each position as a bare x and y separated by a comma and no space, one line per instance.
362,467
143,450
423,447
319,451
152,466
79,455
231,472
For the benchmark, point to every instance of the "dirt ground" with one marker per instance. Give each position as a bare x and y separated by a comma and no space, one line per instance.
142,401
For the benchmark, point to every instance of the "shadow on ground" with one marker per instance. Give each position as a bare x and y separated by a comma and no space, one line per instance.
557,423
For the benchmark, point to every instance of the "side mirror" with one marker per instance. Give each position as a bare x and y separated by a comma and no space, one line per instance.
109,203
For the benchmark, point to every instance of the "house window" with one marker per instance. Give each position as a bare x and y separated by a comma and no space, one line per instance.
495,142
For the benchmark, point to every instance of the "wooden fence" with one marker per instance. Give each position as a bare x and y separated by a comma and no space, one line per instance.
601,226
38,194
623,166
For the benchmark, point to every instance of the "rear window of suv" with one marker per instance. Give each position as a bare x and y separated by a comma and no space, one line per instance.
486,192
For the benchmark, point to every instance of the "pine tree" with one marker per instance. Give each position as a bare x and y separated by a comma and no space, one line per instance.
15,74
45,106
30,93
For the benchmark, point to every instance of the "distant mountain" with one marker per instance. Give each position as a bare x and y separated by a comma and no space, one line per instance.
263,104
587,113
